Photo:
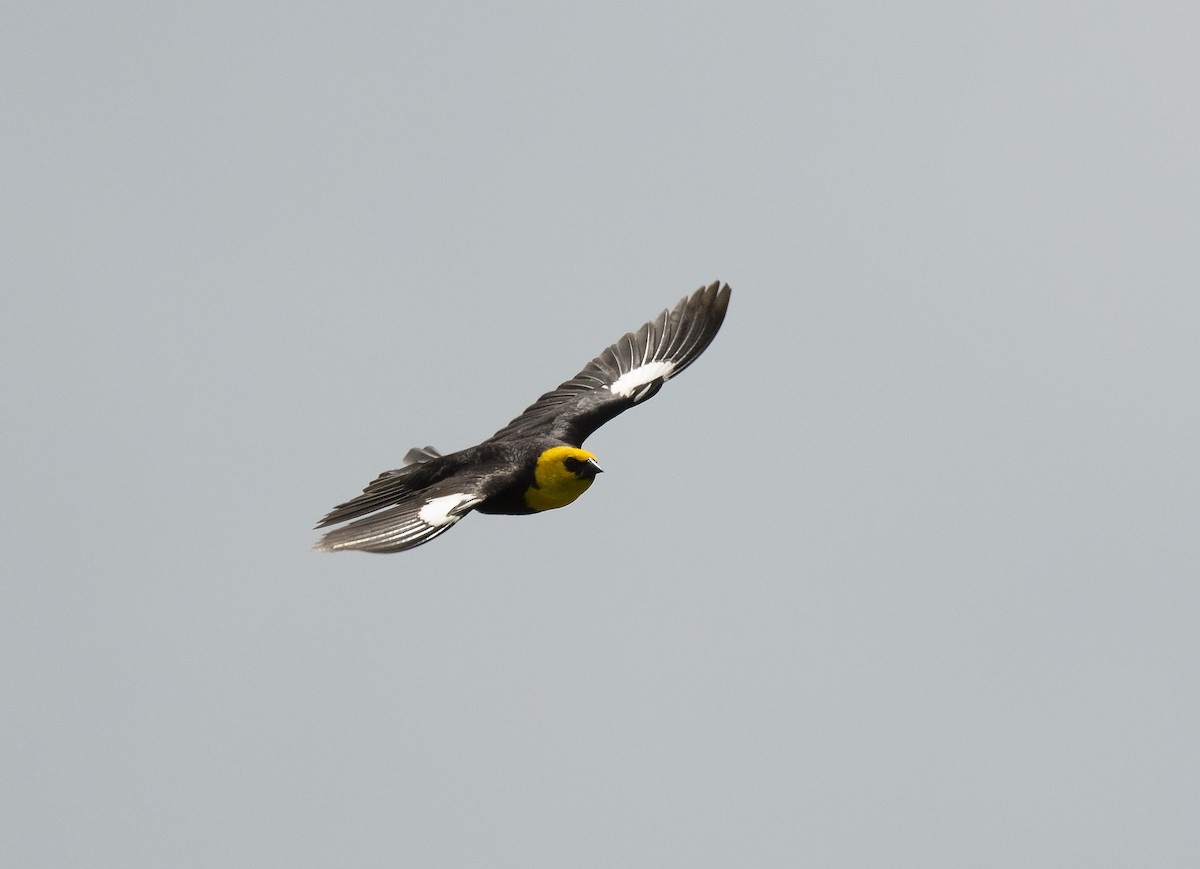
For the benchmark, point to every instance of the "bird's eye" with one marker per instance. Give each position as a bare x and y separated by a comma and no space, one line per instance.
573,464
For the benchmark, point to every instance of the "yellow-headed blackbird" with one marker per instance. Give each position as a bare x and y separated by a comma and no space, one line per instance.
535,462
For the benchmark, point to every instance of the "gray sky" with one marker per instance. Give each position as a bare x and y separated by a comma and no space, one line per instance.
903,572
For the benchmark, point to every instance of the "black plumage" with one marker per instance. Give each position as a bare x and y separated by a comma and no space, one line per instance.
582,404
536,462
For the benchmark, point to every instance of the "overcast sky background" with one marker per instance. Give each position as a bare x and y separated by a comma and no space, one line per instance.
903,572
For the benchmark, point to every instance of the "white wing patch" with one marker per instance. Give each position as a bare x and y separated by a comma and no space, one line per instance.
627,384
437,510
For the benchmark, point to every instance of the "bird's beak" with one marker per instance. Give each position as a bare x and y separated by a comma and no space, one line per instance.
593,467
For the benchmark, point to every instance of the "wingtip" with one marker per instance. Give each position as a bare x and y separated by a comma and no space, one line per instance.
715,294
721,293
325,544
714,297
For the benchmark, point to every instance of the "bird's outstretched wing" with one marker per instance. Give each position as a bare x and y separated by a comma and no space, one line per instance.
392,486
416,518
627,373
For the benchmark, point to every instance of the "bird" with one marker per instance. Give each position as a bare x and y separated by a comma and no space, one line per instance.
537,461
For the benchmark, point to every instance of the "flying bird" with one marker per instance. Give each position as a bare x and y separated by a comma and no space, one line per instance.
537,461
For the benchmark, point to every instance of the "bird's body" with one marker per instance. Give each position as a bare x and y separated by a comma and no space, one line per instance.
536,462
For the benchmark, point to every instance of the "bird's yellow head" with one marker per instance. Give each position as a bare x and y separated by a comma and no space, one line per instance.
561,475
